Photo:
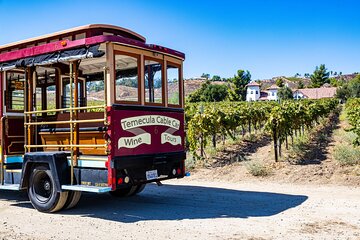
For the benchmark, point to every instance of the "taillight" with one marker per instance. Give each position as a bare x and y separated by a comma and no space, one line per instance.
120,181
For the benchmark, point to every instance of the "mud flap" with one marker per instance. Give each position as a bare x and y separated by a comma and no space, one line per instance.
56,161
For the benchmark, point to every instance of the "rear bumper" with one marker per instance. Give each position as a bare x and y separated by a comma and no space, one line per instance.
135,167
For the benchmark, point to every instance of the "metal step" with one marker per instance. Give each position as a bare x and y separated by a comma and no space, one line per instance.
84,188
13,187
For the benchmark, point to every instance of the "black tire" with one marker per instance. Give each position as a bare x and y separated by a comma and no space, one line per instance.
42,191
127,192
72,199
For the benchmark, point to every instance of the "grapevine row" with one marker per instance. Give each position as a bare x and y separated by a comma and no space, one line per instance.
210,120
207,121
353,114
292,117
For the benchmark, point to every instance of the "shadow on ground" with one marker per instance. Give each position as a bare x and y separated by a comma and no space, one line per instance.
174,202
317,150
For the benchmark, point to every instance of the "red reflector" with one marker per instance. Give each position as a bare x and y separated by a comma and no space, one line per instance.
178,171
120,181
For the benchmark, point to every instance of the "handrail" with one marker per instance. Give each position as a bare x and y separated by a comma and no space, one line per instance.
67,145
66,122
64,109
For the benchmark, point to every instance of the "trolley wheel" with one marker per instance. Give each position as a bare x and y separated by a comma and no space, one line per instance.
127,192
72,199
42,191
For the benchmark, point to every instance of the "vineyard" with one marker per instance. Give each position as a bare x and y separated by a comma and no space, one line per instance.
353,113
213,122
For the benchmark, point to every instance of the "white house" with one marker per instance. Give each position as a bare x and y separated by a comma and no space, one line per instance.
273,93
253,92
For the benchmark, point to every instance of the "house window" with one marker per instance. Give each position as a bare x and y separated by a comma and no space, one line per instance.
257,92
252,92
273,94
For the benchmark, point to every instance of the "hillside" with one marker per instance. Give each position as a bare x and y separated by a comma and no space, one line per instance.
191,85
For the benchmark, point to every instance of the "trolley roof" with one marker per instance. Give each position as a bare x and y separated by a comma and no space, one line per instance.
83,36
90,30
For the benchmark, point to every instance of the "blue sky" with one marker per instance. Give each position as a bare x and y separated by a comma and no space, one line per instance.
268,38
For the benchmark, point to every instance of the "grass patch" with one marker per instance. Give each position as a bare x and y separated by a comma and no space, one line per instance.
190,162
349,136
300,145
258,169
347,155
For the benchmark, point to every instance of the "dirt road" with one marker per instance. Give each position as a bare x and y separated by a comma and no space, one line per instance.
188,209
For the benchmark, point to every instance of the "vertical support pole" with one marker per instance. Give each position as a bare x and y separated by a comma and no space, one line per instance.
2,129
165,84
2,150
29,78
76,115
58,85
109,89
35,128
25,115
105,95
141,80
71,125
181,94
109,80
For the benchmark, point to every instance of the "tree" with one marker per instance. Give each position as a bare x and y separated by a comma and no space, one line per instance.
354,86
349,90
336,82
285,93
215,93
216,78
301,84
239,82
209,93
205,75
320,76
279,82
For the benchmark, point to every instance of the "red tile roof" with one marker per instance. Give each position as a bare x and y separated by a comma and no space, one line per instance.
273,87
253,84
317,93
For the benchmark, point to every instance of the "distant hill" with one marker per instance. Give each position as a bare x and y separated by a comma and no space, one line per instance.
291,82
191,85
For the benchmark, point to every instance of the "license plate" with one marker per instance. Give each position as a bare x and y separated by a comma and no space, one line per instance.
152,174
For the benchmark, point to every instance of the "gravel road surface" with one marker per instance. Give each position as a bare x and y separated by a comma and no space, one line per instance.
188,209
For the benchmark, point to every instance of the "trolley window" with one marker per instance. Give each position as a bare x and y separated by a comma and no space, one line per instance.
173,84
15,91
127,78
153,82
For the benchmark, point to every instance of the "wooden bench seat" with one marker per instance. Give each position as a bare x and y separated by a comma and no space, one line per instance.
89,134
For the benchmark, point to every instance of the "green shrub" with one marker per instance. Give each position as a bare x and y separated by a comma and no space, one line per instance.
349,136
258,169
347,155
300,145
